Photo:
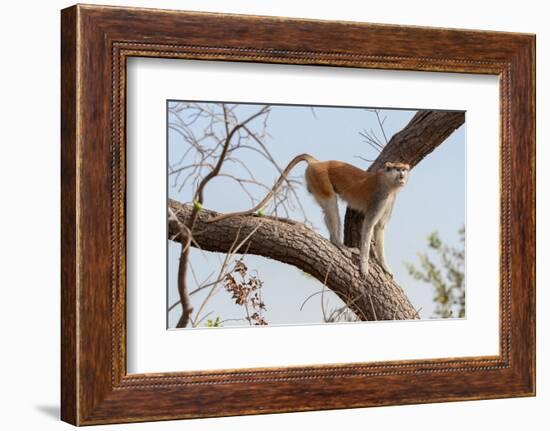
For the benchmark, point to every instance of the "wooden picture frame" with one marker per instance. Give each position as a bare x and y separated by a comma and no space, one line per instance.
95,43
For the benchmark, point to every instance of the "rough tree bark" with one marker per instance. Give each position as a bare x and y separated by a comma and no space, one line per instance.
376,297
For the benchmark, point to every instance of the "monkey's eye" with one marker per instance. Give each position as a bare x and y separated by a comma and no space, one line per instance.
388,169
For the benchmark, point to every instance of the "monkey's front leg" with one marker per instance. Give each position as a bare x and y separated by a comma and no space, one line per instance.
366,236
379,248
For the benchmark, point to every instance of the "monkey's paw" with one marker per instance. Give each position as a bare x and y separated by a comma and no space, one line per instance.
341,246
364,269
388,271
337,242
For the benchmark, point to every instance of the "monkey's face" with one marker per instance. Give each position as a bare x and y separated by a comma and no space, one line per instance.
396,174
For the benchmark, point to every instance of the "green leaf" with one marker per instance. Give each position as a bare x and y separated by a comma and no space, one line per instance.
216,323
446,278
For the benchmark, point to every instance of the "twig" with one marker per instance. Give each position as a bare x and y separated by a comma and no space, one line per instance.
234,249
372,306
309,297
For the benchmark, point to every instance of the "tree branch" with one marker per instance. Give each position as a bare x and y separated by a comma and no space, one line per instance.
424,133
376,297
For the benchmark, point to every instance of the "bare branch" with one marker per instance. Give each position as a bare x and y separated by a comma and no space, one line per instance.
185,302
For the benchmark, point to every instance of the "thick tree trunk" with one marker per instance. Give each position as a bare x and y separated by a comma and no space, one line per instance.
376,297
423,134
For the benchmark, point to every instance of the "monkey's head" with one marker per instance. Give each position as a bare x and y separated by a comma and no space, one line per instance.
396,174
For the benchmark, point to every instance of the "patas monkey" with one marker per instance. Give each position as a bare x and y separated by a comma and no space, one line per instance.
371,193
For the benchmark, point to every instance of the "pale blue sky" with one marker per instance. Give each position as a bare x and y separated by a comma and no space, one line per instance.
434,199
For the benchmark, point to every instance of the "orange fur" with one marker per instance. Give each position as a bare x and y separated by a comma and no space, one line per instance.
354,185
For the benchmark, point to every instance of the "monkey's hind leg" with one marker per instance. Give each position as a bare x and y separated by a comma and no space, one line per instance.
366,236
332,218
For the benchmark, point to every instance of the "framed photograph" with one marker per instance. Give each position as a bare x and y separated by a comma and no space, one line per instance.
322,214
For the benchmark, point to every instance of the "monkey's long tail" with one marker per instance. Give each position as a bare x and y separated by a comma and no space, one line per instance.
302,157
